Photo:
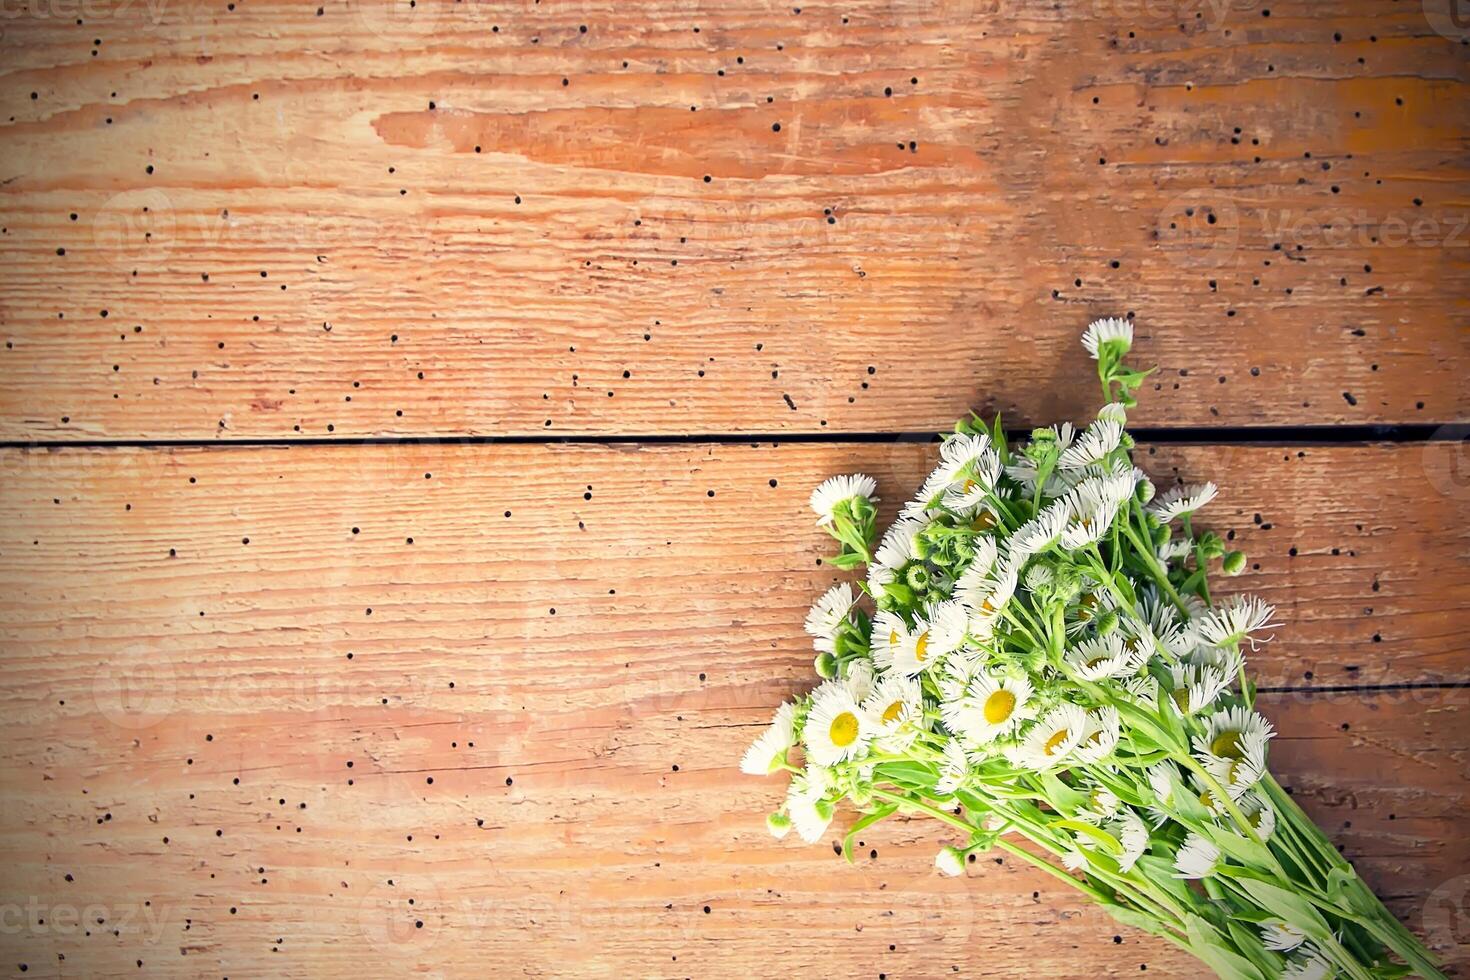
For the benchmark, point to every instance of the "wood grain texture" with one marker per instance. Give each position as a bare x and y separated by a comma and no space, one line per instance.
298,735
252,220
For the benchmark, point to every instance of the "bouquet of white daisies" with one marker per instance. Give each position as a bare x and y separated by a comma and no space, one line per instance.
1036,653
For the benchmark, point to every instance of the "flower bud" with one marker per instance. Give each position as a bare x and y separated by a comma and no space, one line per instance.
1234,563
779,824
950,861
825,666
1107,622
1161,535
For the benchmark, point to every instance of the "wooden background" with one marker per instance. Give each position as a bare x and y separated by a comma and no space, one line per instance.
408,408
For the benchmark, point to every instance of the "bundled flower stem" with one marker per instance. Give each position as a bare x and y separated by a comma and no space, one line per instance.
1043,658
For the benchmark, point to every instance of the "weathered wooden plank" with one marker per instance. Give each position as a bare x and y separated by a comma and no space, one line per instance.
674,559
513,226
251,827
280,756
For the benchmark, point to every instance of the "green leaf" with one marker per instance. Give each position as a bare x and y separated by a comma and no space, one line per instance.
1133,917
1242,849
1248,944
863,824
1104,839
1348,892
998,440
1205,943
908,774
1063,797
1281,902
846,561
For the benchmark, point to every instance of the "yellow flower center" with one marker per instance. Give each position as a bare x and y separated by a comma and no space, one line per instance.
1181,698
921,646
983,521
844,729
1095,661
1056,742
970,485
1088,602
1226,745
1206,800
891,713
893,638
998,707
988,606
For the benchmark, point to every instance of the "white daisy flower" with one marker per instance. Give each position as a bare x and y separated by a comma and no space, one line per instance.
954,767
779,824
838,490
1309,964
1162,778
1236,620
1101,804
890,632
894,551
1101,737
939,632
1259,814
1093,445
971,473
958,452
769,748
1143,690
1197,857
1174,549
1052,739
1179,501
1093,505
810,816
1237,775
1234,734
1037,534
1134,835
927,499
828,614
1281,936
949,861
1193,689
1227,660
986,600
837,729
1101,657
859,679
980,566
1112,330
994,707
895,708
1073,859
